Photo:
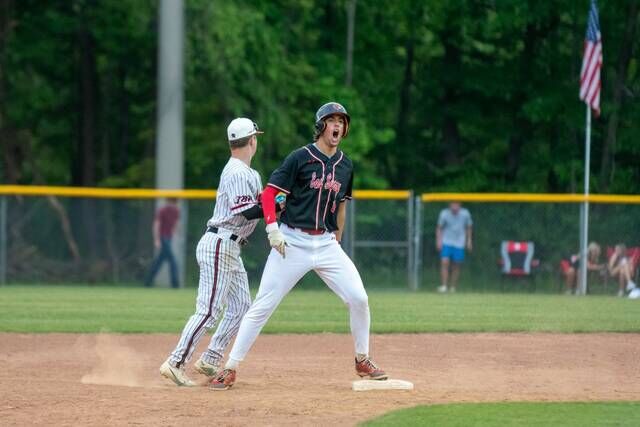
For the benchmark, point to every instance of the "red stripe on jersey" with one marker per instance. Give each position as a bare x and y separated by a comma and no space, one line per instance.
320,189
242,205
333,176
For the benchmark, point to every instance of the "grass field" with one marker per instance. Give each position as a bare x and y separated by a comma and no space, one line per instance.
516,414
84,309
94,309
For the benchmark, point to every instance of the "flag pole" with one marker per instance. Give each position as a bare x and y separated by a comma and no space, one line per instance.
584,232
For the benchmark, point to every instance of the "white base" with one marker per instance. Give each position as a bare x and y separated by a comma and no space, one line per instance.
365,385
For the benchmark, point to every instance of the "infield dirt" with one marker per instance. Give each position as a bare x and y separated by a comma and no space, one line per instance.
104,379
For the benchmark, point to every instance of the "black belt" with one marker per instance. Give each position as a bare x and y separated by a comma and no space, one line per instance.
240,240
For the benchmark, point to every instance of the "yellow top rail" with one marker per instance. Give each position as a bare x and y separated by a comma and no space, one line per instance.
382,194
150,193
104,193
529,197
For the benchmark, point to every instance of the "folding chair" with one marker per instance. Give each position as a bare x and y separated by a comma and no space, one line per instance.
633,253
517,262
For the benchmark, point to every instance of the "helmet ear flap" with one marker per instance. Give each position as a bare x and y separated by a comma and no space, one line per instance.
320,126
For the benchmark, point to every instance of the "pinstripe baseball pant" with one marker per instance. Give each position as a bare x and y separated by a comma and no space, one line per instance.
223,281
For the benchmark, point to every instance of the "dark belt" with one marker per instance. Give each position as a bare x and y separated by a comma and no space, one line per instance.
240,240
311,231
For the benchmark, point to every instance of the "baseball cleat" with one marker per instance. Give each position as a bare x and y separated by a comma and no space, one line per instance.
177,375
224,381
206,368
366,368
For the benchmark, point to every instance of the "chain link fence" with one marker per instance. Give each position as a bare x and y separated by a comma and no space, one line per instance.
49,239
554,228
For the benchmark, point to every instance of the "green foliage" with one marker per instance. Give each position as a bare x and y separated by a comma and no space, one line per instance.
564,414
121,309
462,96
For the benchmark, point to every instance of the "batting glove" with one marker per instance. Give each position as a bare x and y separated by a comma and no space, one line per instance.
276,238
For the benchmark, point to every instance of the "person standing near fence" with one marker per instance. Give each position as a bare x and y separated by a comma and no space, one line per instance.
164,227
453,235
223,284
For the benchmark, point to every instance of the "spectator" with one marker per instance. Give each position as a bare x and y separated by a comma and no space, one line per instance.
571,265
453,235
164,227
620,267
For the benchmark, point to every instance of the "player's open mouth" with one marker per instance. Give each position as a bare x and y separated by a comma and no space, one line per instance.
336,132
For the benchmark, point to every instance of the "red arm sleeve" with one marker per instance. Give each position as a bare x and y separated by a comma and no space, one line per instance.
269,204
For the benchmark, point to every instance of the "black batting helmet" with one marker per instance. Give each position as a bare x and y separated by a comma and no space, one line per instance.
329,109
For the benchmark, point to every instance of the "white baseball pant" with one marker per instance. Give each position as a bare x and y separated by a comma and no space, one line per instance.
305,252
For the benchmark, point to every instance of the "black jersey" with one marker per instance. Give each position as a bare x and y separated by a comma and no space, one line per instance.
315,185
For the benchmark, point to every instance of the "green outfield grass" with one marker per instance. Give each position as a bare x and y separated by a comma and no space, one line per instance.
515,414
114,309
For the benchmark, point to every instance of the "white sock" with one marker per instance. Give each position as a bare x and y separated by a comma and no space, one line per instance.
232,364
360,357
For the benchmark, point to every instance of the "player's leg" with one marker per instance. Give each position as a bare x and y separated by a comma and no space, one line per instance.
457,258
337,270
444,268
238,302
455,275
625,277
279,276
212,255
173,265
618,272
155,266
570,280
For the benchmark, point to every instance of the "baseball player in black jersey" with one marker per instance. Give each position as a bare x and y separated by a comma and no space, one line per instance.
317,180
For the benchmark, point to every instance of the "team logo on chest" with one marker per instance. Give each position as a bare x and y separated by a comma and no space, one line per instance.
330,184
315,182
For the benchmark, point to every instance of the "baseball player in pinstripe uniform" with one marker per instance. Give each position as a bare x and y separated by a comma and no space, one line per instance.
223,279
317,179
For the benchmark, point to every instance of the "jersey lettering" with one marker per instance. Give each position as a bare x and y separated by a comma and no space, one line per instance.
315,183
243,199
332,184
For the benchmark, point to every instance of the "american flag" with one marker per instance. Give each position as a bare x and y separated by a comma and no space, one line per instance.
592,62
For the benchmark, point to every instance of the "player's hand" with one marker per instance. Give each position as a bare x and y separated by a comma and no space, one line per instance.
276,238
156,243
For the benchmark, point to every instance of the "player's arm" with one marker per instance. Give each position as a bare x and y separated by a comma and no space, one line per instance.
341,217
256,211
439,228
282,179
341,220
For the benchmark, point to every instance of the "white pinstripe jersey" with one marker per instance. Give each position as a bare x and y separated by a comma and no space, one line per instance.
238,191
